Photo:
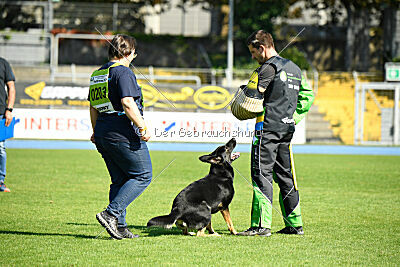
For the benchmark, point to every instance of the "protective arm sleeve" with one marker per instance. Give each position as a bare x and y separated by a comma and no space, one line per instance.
266,75
305,100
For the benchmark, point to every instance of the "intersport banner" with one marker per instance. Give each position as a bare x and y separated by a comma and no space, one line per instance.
67,124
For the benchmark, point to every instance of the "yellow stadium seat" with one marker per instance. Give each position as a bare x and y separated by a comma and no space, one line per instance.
335,99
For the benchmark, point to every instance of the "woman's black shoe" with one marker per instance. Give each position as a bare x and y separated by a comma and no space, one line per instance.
109,222
126,233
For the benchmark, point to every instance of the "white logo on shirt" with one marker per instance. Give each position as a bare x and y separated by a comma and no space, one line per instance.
287,120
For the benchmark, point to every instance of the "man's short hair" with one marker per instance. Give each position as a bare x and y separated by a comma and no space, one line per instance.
121,46
260,37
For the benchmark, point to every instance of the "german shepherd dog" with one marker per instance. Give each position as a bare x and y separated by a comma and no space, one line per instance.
193,206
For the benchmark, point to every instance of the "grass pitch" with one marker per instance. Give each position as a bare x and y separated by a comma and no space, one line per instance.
350,207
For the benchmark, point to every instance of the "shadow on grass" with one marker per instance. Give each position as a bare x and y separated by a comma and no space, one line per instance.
151,232
81,224
48,234
143,229
154,231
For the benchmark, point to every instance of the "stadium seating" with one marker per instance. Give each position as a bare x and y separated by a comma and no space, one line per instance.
335,99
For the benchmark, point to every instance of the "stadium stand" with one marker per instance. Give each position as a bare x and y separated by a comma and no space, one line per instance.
335,99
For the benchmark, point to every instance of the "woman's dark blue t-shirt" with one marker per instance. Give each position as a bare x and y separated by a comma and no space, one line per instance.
121,83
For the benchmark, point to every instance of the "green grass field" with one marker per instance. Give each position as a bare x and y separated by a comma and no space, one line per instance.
350,208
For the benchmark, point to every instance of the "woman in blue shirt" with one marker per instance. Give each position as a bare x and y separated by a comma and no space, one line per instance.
120,133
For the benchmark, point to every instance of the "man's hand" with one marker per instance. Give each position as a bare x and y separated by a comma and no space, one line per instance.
8,116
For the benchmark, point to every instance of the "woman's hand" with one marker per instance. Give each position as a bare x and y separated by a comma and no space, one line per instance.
92,138
144,134
133,113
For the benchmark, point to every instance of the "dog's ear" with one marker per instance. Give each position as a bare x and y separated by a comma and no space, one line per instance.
211,159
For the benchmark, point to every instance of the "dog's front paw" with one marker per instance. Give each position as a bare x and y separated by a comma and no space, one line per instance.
235,155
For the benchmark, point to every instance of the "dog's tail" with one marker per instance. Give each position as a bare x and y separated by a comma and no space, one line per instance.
166,221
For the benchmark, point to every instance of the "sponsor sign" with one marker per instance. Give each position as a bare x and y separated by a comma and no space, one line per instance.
52,124
41,94
163,126
184,98
198,127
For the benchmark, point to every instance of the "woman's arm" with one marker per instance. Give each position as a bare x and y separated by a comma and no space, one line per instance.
133,113
93,118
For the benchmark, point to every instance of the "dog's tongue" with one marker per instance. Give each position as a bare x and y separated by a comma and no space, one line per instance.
235,155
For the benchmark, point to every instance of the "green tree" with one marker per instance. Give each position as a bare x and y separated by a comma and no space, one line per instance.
14,16
298,57
252,15
249,15
359,14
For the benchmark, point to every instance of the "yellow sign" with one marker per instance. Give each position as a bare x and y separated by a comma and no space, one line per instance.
212,97
208,97
35,91
184,94
84,103
150,95
41,102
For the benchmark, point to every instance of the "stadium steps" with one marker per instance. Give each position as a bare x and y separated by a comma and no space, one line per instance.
28,73
318,129
335,100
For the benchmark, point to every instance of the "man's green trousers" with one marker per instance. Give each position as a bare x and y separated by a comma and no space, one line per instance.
272,159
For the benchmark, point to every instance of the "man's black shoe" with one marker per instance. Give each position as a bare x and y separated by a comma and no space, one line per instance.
126,233
252,231
109,222
288,230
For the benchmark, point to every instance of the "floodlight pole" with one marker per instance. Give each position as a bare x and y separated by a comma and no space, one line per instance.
51,14
115,16
229,72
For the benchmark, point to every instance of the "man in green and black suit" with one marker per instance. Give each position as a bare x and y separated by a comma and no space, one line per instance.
287,99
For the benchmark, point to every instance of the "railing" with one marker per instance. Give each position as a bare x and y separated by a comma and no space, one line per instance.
151,77
360,97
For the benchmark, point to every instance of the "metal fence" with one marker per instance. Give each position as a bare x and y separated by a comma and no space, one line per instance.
79,15
377,117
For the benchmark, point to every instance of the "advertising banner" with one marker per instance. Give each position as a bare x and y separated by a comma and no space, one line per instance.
42,94
165,97
52,124
163,126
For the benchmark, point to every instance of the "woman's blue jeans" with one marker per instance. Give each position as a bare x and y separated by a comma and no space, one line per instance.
129,165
